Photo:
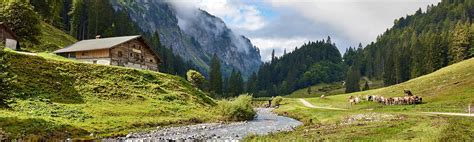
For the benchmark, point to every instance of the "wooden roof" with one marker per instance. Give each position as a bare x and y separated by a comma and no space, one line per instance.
102,43
4,26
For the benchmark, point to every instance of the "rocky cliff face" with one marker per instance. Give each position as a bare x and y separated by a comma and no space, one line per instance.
194,34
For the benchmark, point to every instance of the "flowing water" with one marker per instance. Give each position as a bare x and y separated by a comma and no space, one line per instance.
265,122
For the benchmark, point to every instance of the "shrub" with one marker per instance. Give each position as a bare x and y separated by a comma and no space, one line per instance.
23,20
196,78
276,101
6,79
239,109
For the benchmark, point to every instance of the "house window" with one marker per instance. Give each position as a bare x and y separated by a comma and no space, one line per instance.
151,60
120,54
131,54
84,54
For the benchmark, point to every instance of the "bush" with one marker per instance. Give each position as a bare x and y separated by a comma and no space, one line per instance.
23,20
196,78
6,79
276,101
239,109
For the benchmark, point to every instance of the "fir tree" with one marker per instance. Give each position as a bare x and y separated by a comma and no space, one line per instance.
215,80
352,80
460,43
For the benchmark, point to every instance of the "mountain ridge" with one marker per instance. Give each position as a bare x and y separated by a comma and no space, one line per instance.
196,36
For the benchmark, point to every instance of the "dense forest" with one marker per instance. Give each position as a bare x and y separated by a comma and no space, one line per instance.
85,19
312,63
418,44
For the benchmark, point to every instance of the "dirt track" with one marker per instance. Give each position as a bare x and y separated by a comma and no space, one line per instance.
308,104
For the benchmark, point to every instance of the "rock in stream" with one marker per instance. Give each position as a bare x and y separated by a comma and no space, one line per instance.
265,122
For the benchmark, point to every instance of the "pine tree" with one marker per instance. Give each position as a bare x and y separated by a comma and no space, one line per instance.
273,55
252,84
352,80
78,18
460,43
215,80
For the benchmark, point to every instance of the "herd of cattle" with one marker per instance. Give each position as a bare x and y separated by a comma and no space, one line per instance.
408,99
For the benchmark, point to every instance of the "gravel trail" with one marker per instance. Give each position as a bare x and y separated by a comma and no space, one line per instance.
266,122
308,104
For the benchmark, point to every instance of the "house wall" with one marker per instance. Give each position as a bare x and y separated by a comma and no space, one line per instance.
100,61
102,53
134,54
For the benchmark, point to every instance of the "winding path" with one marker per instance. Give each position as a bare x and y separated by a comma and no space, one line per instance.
450,113
308,104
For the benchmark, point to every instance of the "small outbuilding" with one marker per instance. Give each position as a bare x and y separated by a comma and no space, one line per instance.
126,51
8,38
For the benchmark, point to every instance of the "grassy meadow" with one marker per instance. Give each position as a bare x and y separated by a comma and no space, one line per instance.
330,89
54,97
449,89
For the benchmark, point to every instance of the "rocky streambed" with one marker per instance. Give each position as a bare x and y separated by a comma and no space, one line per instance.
266,122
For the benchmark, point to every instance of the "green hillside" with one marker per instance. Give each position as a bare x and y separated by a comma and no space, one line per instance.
327,89
51,39
53,97
449,89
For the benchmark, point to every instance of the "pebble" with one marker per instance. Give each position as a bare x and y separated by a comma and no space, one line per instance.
266,122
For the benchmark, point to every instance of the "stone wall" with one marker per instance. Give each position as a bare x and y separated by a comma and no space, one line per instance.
100,61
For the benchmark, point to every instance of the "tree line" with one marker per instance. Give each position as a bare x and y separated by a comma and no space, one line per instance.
417,44
84,19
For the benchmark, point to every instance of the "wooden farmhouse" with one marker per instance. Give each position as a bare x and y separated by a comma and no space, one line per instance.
8,38
127,51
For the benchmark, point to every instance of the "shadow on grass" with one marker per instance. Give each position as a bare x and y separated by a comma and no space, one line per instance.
36,77
34,128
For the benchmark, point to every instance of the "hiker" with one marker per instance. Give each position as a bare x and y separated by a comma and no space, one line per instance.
270,101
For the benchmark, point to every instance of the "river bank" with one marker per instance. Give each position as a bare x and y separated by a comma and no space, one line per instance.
265,122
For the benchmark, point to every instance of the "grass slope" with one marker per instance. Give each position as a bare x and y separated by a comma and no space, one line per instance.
57,98
51,39
329,89
450,89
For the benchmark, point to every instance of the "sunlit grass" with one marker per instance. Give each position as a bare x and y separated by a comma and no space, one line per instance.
447,90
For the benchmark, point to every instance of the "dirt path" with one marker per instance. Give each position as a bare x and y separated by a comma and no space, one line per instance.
27,53
450,113
308,104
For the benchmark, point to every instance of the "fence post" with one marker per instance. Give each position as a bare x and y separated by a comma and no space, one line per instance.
469,109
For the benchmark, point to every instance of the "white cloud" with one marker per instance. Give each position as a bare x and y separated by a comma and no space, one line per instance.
266,45
348,22
359,20
237,15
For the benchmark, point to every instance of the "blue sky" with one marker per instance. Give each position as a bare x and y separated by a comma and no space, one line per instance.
285,24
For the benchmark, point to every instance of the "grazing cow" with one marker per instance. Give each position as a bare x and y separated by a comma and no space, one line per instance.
407,92
354,100
369,98
357,100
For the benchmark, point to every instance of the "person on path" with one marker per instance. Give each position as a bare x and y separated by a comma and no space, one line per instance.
270,101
